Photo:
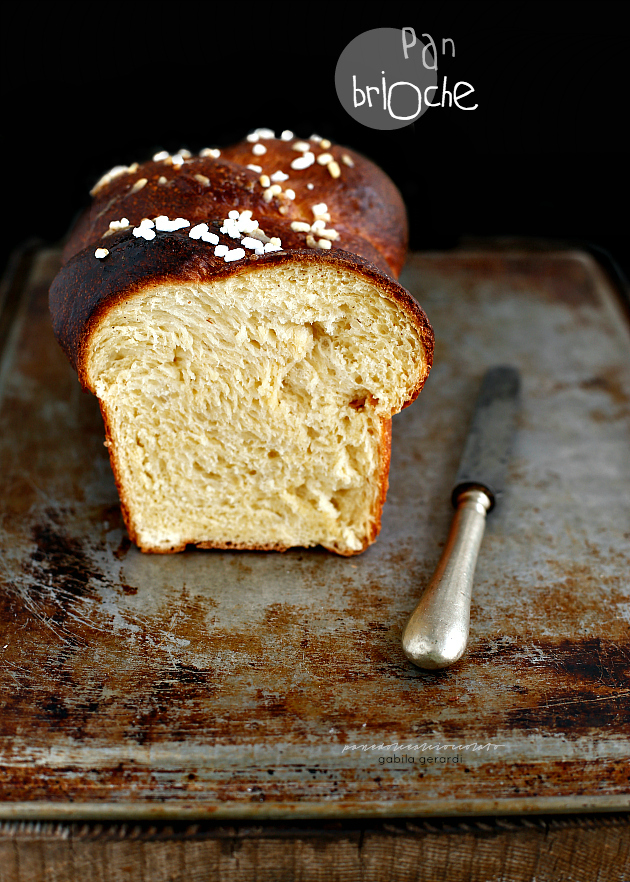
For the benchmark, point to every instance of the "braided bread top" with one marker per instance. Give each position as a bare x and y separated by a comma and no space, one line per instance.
317,194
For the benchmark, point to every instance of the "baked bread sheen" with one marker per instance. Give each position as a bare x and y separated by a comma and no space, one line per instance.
238,317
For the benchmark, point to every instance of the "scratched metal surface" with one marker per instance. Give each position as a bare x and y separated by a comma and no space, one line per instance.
234,684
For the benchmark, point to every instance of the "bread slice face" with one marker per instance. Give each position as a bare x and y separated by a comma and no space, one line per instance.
253,409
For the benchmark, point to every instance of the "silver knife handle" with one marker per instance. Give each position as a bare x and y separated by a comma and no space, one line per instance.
437,632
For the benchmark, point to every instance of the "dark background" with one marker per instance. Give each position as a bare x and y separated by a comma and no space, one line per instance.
89,86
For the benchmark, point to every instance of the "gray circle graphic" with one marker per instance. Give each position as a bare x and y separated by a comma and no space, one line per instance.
379,86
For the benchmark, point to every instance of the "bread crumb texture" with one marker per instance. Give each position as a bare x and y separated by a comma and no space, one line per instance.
253,410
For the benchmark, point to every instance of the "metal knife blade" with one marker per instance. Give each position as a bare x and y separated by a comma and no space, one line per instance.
437,632
488,445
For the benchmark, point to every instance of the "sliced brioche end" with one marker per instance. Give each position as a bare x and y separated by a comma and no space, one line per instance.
254,411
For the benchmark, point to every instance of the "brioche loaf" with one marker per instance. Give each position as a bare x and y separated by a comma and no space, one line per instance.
236,314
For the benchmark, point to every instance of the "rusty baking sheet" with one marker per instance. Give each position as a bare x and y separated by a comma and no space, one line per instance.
261,685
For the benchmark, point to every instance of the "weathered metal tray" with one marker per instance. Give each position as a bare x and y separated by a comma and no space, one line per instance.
244,685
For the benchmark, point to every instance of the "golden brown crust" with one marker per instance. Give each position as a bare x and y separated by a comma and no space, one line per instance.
364,205
120,486
385,459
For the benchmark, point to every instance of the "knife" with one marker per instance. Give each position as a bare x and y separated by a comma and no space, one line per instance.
437,632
